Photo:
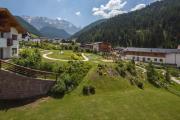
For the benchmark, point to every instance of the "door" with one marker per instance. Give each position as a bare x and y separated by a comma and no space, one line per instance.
1,53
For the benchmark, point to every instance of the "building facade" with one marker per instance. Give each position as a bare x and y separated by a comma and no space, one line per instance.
10,34
98,46
161,56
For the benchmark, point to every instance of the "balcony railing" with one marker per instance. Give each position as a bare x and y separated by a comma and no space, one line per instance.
28,72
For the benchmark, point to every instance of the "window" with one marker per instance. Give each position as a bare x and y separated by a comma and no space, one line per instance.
148,59
14,37
155,59
2,34
161,60
14,51
144,59
137,58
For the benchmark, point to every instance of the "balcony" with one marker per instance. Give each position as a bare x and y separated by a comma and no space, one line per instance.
3,42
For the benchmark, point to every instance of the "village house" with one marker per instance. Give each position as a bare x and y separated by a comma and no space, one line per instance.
56,40
10,34
26,37
156,55
98,46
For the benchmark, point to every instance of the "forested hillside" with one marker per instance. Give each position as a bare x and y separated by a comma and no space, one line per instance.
88,27
52,32
157,25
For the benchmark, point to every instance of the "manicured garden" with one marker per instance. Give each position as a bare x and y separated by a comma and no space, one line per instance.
65,55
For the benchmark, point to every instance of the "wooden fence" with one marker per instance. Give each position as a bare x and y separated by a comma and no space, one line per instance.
28,72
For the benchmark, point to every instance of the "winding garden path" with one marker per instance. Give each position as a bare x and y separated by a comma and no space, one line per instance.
49,53
172,78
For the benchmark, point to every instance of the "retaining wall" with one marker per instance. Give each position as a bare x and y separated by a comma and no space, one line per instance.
13,86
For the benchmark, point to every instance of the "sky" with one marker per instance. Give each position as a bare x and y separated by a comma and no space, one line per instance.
78,12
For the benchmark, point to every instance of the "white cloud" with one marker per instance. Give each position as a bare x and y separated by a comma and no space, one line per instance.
138,7
78,13
112,8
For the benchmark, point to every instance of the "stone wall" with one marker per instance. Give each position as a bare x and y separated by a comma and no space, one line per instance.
14,86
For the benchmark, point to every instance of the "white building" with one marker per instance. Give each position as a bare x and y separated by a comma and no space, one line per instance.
156,55
10,34
26,37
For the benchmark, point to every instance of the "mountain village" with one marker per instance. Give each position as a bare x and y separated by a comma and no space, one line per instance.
62,75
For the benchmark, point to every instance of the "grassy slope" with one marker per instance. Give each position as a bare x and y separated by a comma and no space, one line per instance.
115,99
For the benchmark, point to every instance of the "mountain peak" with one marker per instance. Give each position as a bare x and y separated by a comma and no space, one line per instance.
59,23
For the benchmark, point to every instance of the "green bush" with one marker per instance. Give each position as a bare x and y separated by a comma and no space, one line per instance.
88,90
45,66
131,68
72,74
121,71
59,88
168,76
174,72
29,58
153,76
140,85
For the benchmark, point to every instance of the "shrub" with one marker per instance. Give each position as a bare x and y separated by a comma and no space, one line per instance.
131,67
153,76
92,90
88,90
59,88
76,49
174,72
85,90
29,58
100,72
167,76
45,66
75,57
121,71
68,81
140,85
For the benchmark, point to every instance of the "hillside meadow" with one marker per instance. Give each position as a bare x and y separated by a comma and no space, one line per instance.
115,99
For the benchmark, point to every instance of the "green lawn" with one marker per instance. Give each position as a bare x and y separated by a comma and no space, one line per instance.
115,99
65,55
93,58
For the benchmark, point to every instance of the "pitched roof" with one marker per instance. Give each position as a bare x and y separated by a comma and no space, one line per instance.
157,50
7,20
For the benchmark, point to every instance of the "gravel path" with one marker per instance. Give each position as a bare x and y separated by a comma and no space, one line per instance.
175,80
172,78
46,56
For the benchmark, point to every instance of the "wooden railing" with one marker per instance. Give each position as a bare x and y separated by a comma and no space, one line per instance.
28,72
